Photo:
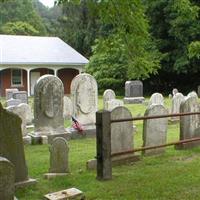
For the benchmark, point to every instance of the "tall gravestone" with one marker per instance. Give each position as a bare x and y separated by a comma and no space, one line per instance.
7,179
176,102
156,98
107,96
11,145
189,125
21,95
155,130
133,92
48,106
58,158
84,97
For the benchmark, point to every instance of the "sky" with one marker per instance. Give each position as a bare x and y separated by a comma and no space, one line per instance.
49,3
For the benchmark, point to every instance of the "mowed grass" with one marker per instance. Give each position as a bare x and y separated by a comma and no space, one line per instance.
172,175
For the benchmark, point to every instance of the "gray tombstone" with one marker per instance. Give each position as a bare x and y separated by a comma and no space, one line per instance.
58,158
11,145
174,91
7,179
13,102
110,105
107,96
176,102
189,125
156,98
67,108
192,94
84,97
9,92
133,92
155,130
48,106
21,95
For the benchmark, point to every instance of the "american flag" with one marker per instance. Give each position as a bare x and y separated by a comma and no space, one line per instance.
76,125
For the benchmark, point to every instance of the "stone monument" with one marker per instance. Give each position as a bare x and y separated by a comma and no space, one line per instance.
133,92
110,105
48,106
107,96
9,92
7,179
155,130
156,98
11,145
21,95
58,158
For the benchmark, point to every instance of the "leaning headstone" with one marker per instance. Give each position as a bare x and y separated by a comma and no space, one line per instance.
155,130
21,95
9,92
192,94
11,145
133,92
84,99
107,96
174,91
156,98
48,106
110,105
13,102
67,108
189,125
58,158
7,179
176,102
68,194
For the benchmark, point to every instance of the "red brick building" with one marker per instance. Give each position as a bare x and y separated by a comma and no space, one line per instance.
23,59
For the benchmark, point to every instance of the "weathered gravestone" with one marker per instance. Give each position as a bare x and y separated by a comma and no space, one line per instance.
176,102
11,145
58,158
48,106
13,102
7,179
84,99
107,96
67,108
9,92
190,124
174,91
192,94
110,105
155,130
21,95
133,92
156,98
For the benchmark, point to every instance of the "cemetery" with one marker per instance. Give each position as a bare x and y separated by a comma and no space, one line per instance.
99,100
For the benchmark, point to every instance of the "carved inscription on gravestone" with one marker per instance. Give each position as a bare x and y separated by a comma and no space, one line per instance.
48,105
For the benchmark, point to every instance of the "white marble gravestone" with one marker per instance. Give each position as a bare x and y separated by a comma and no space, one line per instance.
107,96
156,98
176,102
155,130
84,97
48,106
110,105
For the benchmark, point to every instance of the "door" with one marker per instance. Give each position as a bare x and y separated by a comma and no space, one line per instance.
34,77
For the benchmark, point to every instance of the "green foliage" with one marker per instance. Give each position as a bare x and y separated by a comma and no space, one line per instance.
194,49
19,28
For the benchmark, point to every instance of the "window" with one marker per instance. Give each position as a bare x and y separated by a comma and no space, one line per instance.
16,78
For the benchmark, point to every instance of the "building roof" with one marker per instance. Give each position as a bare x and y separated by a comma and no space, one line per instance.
34,50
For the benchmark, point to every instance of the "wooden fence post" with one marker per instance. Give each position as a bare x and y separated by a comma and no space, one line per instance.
103,135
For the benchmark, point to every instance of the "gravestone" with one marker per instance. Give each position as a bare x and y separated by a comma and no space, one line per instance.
58,158
107,96
176,102
84,97
11,145
156,98
9,92
21,95
7,179
155,130
189,125
48,106
110,105
174,91
13,102
192,94
67,108
133,92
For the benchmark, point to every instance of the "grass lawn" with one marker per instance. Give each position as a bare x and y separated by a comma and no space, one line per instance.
173,175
